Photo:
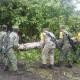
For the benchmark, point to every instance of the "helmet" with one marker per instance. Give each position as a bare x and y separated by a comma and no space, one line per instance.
4,27
16,28
62,26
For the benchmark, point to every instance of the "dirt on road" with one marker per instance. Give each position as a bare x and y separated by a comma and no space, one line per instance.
34,72
25,75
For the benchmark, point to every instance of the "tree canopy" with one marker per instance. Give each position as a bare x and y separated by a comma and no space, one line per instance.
32,15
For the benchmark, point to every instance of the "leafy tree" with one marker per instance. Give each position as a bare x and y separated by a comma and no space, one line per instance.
32,15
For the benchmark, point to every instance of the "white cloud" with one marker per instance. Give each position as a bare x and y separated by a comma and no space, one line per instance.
77,4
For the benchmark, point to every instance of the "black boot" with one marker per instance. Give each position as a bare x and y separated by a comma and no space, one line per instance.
43,66
50,66
18,72
69,65
58,64
6,68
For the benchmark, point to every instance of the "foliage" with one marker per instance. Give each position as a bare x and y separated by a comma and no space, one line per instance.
30,55
32,15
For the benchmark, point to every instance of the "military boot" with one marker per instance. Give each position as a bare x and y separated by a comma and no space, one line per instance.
51,66
69,65
44,66
6,68
58,64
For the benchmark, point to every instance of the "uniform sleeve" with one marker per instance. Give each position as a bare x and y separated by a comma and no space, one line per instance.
42,37
74,38
78,37
16,41
61,35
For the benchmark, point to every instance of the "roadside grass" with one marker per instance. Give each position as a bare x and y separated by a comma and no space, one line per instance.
33,55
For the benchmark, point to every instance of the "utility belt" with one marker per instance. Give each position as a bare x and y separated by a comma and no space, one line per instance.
5,51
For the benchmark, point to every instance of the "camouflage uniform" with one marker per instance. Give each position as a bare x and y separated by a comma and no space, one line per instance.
48,48
10,43
78,49
2,34
66,48
77,39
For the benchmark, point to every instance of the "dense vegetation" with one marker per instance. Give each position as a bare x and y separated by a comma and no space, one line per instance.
32,15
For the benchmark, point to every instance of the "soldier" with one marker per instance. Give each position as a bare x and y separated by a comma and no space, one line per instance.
66,47
77,40
2,34
48,46
10,44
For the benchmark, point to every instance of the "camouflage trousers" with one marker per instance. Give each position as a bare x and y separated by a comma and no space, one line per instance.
48,54
1,58
65,54
78,52
10,60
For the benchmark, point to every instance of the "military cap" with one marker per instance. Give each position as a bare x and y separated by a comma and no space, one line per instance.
62,26
4,27
15,27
